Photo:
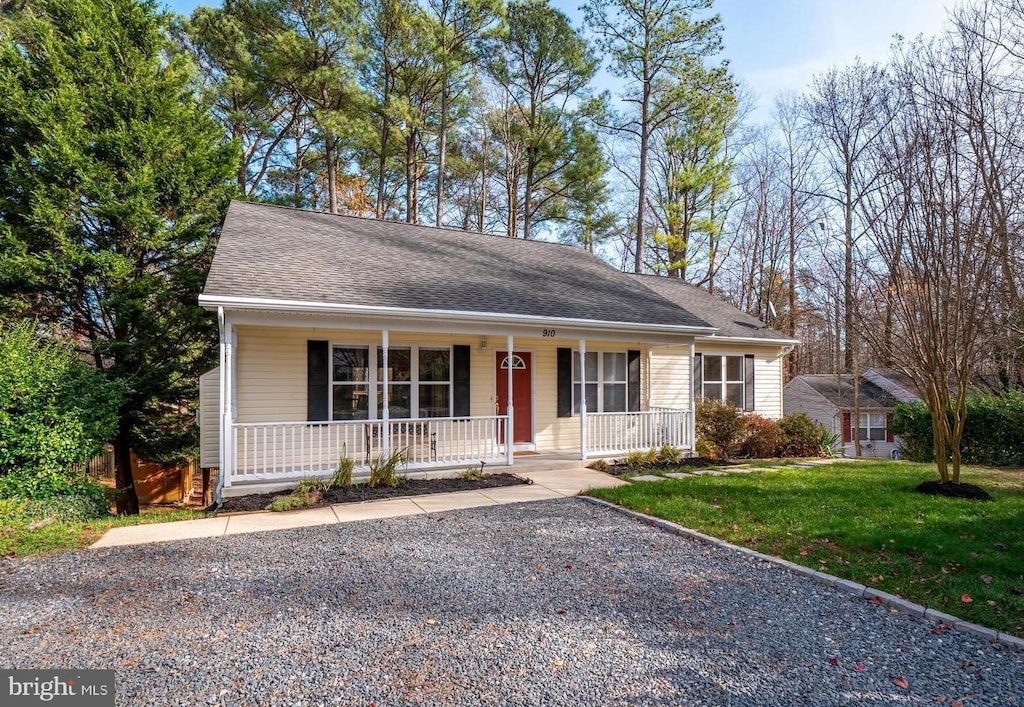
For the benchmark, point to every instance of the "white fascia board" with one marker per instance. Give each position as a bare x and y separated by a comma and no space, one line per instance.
301,307
746,340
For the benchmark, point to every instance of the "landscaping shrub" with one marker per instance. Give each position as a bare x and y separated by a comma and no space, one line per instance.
721,425
669,454
90,501
343,474
707,450
993,430
762,437
472,473
55,411
293,502
801,436
641,460
384,469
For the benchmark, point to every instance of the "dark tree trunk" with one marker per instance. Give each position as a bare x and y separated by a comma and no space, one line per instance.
124,494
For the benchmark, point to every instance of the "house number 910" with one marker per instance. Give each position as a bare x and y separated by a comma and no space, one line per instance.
550,333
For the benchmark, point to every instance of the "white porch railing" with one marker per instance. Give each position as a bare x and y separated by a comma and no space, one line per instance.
623,432
281,451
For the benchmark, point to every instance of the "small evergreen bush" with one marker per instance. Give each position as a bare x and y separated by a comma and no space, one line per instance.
801,436
720,424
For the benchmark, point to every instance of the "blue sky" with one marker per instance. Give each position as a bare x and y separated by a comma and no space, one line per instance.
776,45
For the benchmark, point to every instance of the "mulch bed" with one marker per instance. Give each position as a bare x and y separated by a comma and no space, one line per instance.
362,492
621,468
968,491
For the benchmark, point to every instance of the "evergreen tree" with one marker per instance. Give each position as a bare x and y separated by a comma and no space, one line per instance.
113,183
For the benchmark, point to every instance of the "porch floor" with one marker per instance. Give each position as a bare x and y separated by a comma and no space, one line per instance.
547,484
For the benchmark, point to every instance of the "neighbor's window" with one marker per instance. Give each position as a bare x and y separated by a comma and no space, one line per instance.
435,382
604,378
872,427
723,379
350,380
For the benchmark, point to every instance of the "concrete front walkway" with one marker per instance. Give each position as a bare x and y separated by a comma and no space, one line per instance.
546,485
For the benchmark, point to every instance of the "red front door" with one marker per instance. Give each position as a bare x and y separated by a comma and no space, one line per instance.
522,392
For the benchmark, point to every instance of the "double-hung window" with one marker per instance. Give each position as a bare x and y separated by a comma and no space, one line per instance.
419,382
435,382
872,427
603,378
723,379
350,382
399,382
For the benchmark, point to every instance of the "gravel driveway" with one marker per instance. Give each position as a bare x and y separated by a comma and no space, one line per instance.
551,603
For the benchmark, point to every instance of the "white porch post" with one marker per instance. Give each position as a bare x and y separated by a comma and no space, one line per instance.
691,421
509,424
227,399
583,399
385,412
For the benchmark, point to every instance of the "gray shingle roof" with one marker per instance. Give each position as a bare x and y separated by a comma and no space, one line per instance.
278,253
839,389
711,308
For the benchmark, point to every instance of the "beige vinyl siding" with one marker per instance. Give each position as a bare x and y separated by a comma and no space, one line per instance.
209,419
271,374
671,375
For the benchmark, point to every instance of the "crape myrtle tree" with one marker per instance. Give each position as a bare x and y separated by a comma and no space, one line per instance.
932,223
113,183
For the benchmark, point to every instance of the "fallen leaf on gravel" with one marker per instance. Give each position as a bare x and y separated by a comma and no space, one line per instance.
940,629
938,699
859,666
956,704
431,621
558,663
966,598
833,661
568,565
875,600
901,682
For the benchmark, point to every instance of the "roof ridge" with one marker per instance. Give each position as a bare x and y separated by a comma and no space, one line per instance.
450,229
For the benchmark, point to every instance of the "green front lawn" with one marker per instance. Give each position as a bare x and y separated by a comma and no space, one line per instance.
864,521
17,538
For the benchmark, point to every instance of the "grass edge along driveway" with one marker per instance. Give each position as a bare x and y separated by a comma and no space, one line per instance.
863,521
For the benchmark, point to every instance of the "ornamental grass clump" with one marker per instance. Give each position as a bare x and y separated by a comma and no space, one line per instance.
384,468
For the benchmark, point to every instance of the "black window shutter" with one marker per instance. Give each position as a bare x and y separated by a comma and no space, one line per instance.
460,381
565,382
748,382
698,376
318,357
633,358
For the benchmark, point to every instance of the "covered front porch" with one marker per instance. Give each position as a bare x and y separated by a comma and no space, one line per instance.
456,399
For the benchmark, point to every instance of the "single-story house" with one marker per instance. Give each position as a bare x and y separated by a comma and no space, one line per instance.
486,347
829,400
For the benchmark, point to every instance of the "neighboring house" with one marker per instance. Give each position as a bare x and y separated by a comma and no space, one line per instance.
486,346
829,400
